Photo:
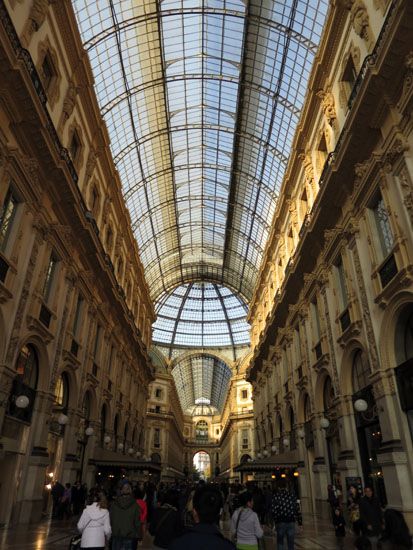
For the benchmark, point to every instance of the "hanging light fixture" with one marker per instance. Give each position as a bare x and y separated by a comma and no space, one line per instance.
286,442
22,402
131,450
324,423
107,439
120,446
274,449
89,431
62,419
360,405
265,452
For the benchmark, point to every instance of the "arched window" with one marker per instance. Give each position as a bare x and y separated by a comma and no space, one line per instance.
24,384
62,391
115,430
201,430
293,441
86,408
328,394
361,371
103,417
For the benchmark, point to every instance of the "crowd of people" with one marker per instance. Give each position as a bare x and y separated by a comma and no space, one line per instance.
184,516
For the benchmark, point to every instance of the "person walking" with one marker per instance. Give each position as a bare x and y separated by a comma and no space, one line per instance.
286,512
353,507
166,522
125,520
139,497
205,534
94,523
339,527
396,535
245,525
370,516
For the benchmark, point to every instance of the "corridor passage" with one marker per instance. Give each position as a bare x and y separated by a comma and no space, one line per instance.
316,534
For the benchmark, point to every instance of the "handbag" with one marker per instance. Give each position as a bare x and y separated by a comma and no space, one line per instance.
75,542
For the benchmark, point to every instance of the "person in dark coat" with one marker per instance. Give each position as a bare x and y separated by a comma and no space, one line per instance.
370,516
166,523
396,534
57,493
205,534
125,520
339,527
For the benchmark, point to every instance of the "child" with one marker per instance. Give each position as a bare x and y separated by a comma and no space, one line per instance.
340,527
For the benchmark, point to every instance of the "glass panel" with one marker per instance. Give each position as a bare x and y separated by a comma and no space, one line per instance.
201,102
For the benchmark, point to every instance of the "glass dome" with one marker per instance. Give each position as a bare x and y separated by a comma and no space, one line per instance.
201,315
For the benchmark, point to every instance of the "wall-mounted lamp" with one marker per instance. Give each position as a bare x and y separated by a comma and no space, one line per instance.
62,419
107,439
22,401
360,405
131,450
273,449
89,431
120,446
286,442
301,433
324,423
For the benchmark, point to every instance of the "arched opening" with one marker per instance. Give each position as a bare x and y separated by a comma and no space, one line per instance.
103,418
245,458
23,392
116,431
367,424
202,465
404,357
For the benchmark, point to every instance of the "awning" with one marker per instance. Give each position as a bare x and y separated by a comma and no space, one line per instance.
285,460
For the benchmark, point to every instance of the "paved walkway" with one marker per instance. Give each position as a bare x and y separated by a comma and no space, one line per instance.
316,534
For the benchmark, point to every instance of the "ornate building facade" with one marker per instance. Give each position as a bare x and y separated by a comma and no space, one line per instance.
102,372
331,365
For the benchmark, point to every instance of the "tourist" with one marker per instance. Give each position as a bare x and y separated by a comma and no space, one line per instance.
396,535
94,523
353,503
370,516
286,512
139,497
245,525
207,503
166,522
125,520
339,527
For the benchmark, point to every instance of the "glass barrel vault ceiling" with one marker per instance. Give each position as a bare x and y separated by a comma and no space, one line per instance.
201,315
201,380
201,99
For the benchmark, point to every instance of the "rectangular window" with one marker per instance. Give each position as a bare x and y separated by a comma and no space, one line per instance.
244,394
297,342
97,341
48,72
78,315
50,275
158,393
384,231
245,442
315,320
7,215
157,438
341,285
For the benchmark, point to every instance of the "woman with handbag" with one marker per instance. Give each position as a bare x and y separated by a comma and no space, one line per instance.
246,530
353,507
94,523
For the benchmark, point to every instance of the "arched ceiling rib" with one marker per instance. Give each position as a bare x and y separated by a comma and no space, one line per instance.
201,99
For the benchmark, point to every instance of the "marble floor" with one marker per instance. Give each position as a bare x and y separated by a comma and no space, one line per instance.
315,534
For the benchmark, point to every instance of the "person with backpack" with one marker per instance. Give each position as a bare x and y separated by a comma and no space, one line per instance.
125,520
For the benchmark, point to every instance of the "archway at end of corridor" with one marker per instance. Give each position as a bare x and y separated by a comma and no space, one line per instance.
202,465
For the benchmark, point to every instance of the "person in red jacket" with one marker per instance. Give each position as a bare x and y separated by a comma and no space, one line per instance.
139,497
